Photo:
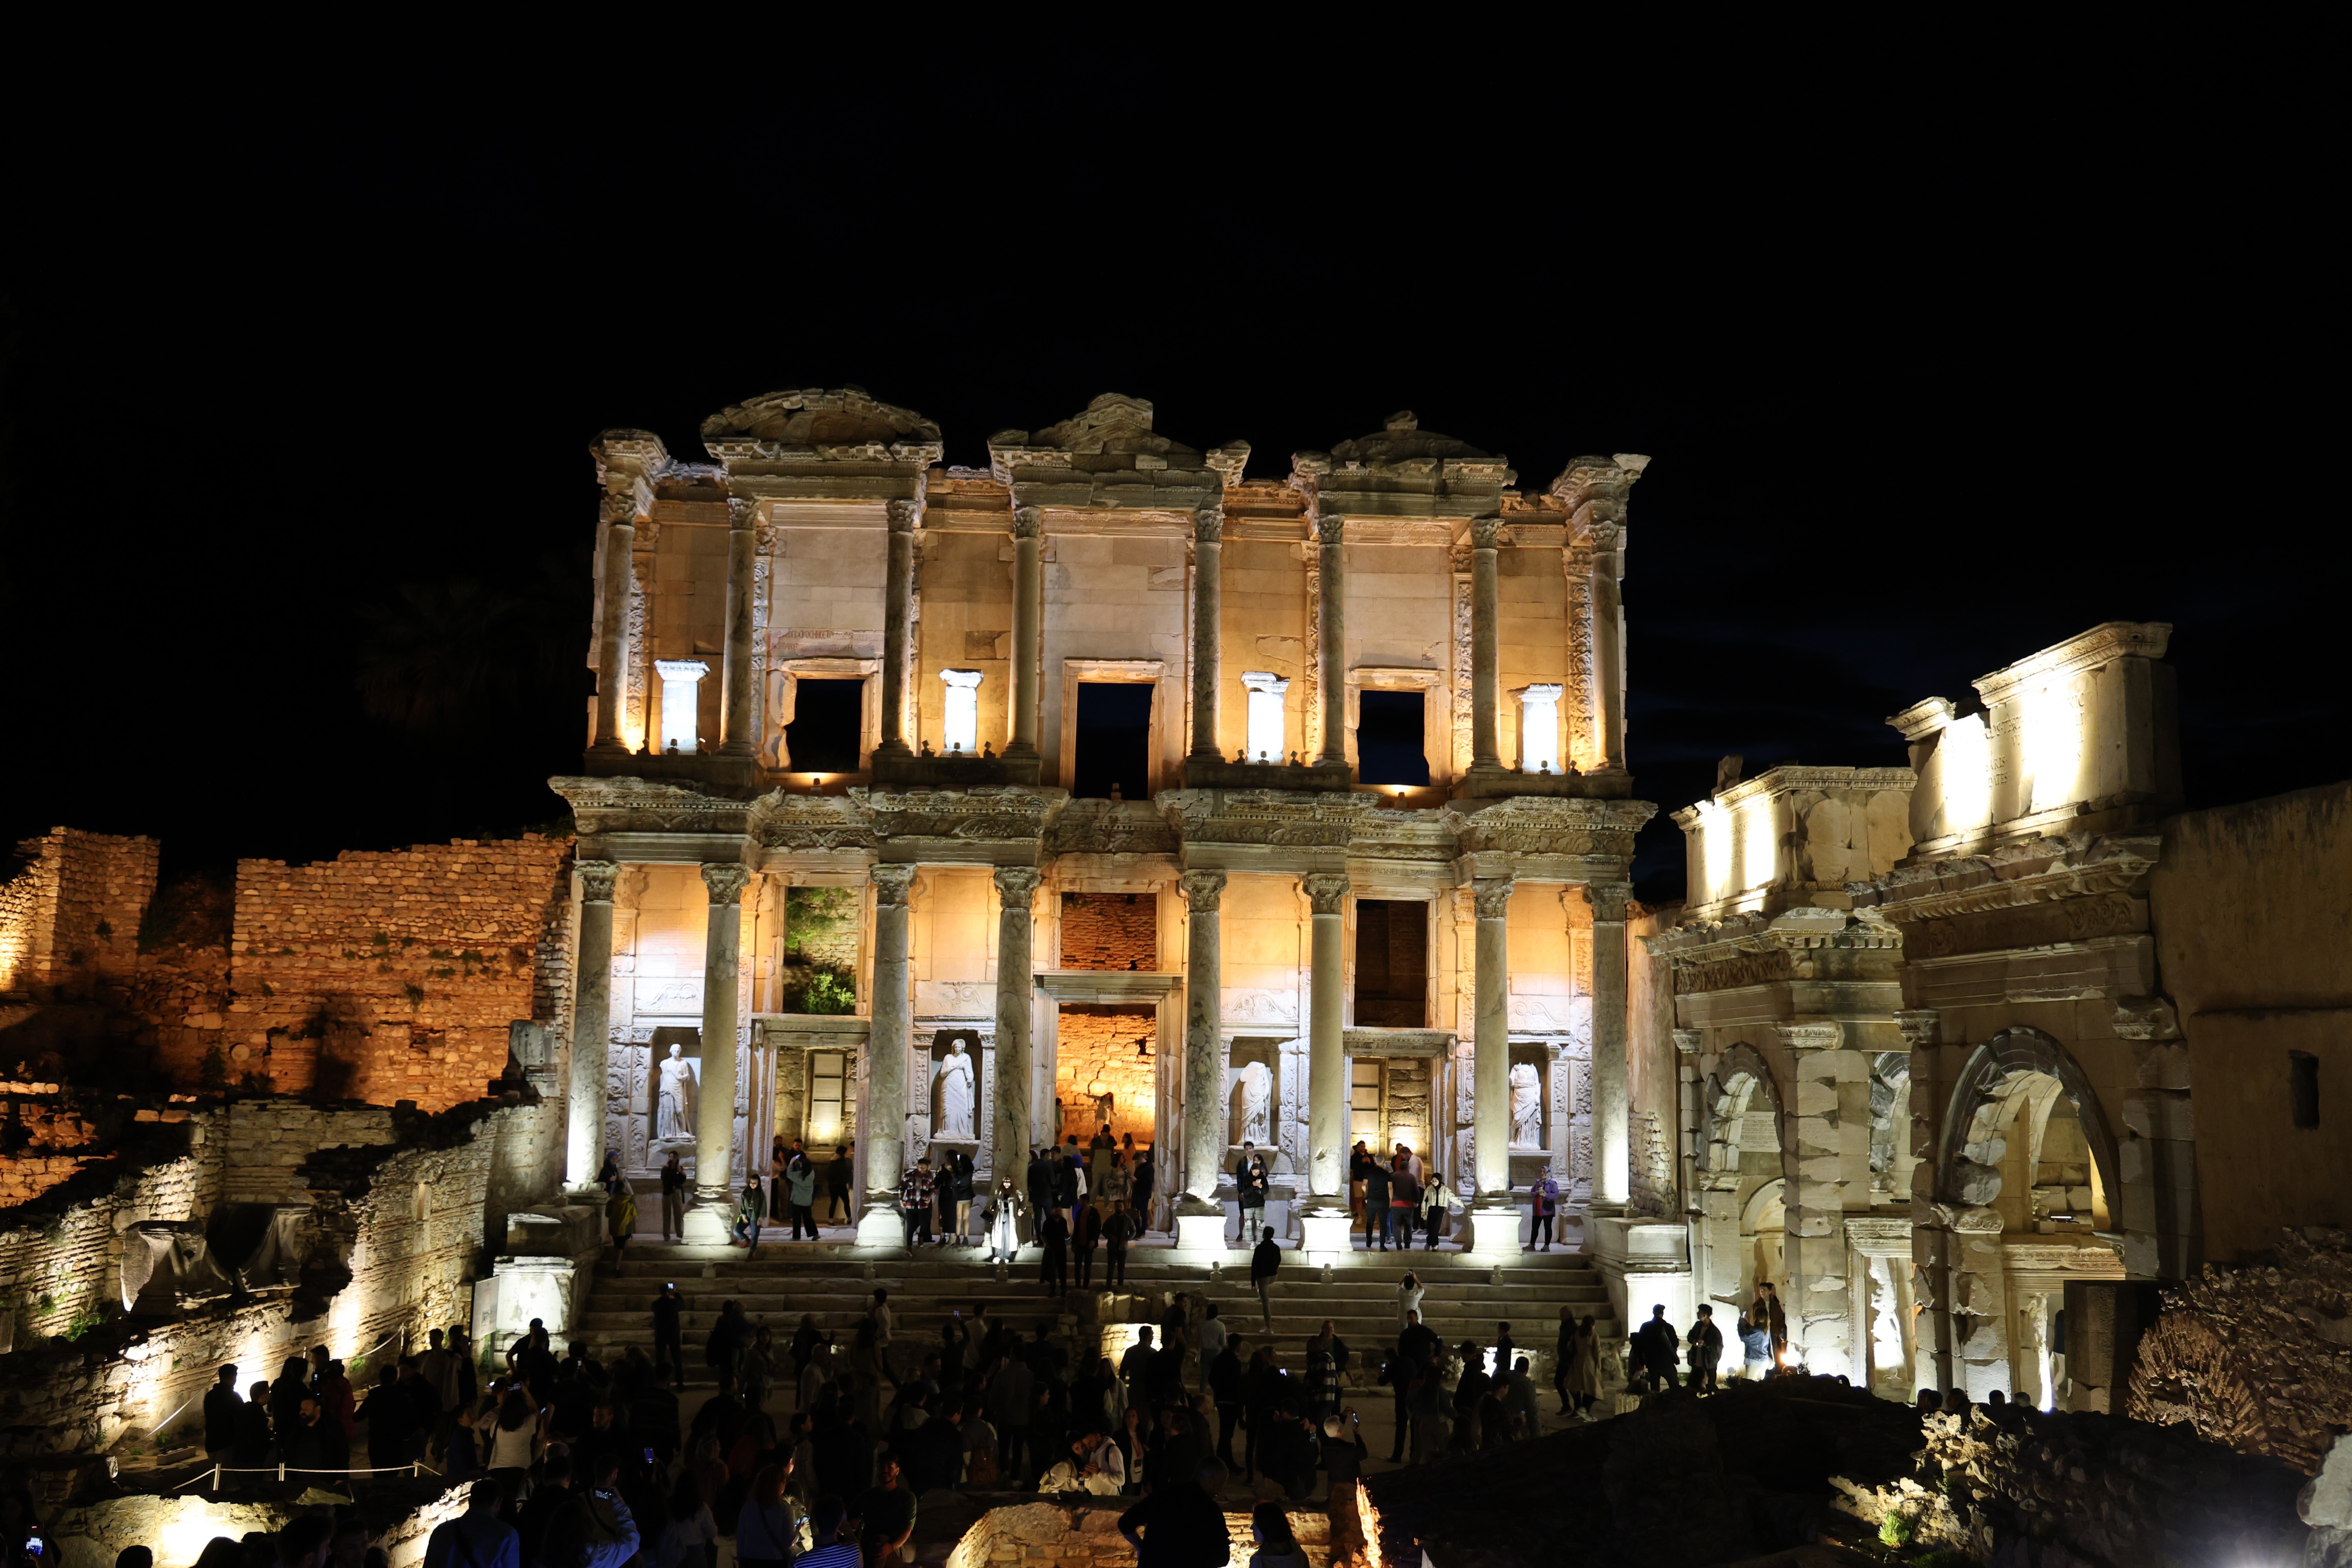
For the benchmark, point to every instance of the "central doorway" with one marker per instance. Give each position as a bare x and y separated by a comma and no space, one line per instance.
1392,963
1113,740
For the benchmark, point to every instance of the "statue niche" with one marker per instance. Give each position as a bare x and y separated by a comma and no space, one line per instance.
955,1087
1252,1105
675,1091
1526,1106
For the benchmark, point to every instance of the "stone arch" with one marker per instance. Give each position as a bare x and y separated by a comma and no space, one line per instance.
1728,1093
1970,1144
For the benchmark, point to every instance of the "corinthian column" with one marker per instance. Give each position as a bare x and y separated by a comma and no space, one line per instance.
1485,534
591,1025
1495,1223
1613,1155
1324,1227
1201,1219
1330,529
743,684
1016,891
1028,615
890,1018
1208,554
714,1109
612,629
897,599
1609,642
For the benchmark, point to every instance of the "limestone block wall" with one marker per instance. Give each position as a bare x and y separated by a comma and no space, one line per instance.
2251,907
1263,626
1115,598
951,928
1551,960
392,976
1111,931
1531,597
71,914
61,1247
1265,929
966,590
1096,1056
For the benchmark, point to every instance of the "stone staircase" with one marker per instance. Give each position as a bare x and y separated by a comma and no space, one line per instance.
1463,1301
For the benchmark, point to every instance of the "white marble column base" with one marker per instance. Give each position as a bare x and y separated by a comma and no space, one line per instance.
708,1224
1200,1238
1494,1234
1324,1236
881,1225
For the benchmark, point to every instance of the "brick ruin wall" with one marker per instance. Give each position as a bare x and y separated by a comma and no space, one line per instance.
394,1236
71,915
393,976
1096,1056
1111,931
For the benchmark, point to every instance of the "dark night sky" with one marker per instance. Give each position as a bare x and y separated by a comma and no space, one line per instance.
1932,376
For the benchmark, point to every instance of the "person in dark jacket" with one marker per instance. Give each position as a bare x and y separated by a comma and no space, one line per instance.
254,1433
1705,1344
1264,1262
392,1424
1145,1179
1120,1228
1224,1377
1376,1202
839,1174
1089,1236
1053,1238
1654,1346
221,1410
1181,1526
669,1309
1343,1452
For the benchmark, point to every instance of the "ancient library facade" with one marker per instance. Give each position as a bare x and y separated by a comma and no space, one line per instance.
1108,786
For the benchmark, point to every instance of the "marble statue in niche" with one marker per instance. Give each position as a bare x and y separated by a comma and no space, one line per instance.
953,1083
1527,1107
674,1107
1253,1104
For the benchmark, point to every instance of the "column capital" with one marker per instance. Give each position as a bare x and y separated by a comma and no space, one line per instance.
1811,1036
1486,532
1028,521
1688,1041
617,506
1493,897
1330,528
904,515
1608,899
597,879
742,514
1016,885
725,883
1326,889
1918,1026
1208,525
1201,889
892,883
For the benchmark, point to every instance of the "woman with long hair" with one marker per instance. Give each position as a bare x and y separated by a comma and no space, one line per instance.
514,1442
764,1529
1277,1546
1582,1383
690,1526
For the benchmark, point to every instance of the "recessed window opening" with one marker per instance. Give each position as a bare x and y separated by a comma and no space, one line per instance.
1389,739
1392,964
1364,1120
1113,740
822,736
2302,1087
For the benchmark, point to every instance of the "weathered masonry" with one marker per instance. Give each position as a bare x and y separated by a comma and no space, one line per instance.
1107,785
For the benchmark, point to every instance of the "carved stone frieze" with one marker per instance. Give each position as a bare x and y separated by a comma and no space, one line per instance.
2027,925
780,821
985,814
602,806
1551,825
1109,827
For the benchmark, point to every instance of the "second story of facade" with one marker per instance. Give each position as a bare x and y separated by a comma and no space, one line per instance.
823,605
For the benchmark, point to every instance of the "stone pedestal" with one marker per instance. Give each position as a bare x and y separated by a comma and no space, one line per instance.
1494,1233
879,1225
708,1224
1324,1233
1200,1233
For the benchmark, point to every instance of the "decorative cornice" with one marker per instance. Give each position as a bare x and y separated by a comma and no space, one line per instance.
1815,1035
2087,650
1879,1236
1326,891
892,883
725,882
2041,870
597,879
1203,890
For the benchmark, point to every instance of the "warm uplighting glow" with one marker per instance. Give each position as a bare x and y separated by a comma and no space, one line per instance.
1715,847
2054,746
1540,729
188,1527
681,703
959,727
1759,842
1965,761
1266,714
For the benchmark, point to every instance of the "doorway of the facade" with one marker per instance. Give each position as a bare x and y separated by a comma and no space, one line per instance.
1389,739
1392,964
1104,1073
1113,740
826,717
1389,1100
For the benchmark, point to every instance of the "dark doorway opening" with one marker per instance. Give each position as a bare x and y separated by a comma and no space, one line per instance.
1389,738
1392,964
826,717
1114,740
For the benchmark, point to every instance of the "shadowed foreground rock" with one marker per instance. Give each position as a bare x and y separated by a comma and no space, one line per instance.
1796,1465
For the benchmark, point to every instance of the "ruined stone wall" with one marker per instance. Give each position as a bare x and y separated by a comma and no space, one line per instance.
72,914
392,976
177,1529
1096,1057
2257,1357
2105,1489
1084,1534
1111,931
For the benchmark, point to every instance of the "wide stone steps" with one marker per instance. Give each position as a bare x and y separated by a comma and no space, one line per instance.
833,1285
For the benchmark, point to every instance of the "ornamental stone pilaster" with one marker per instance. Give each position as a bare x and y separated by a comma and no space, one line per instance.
612,651
1331,652
1485,538
1016,893
897,607
591,1025
1612,1167
1825,1153
1028,621
1208,556
738,721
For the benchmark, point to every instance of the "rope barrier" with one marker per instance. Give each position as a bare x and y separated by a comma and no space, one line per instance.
414,1469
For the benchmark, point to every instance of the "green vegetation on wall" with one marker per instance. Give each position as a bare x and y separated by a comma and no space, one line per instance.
820,950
